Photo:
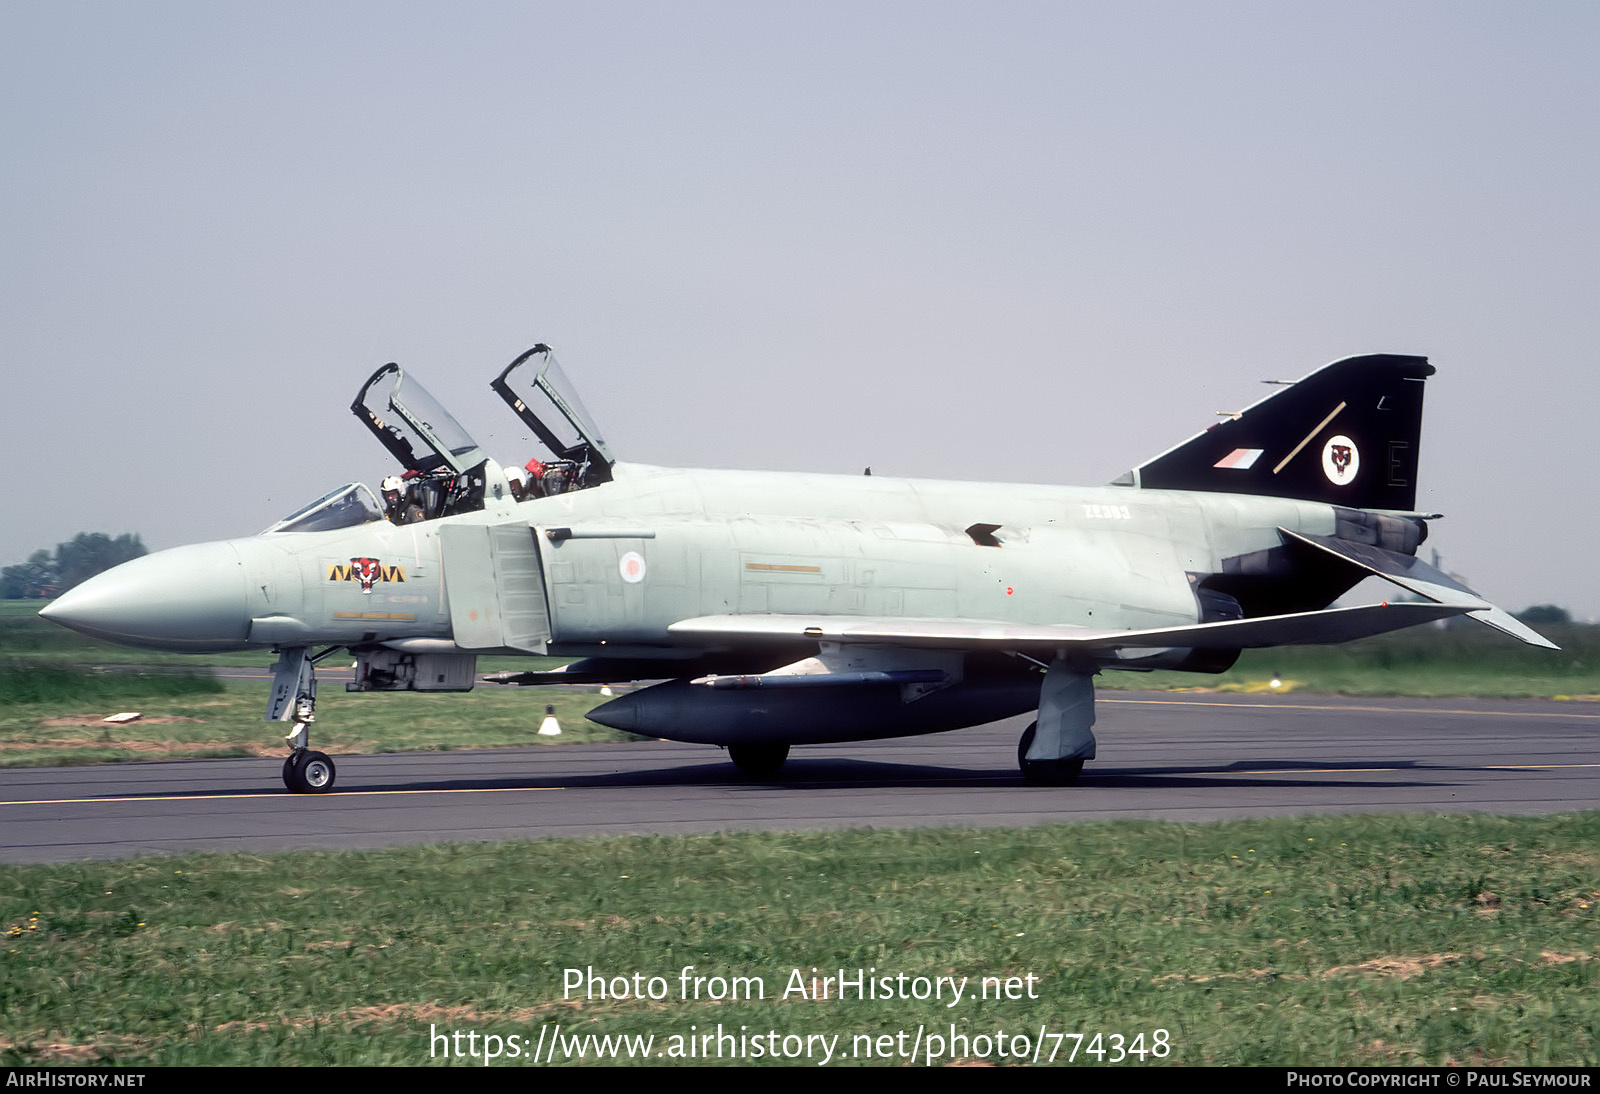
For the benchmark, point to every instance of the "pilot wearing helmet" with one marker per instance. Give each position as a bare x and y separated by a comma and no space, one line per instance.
391,498
397,506
517,479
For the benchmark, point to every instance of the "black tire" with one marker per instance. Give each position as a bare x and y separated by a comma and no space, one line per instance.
761,761
288,769
313,773
1045,772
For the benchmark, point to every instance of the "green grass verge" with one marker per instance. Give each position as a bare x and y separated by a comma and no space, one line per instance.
1330,940
204,717
53,703
36,683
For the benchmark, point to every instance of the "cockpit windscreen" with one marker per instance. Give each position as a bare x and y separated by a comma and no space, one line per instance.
345,507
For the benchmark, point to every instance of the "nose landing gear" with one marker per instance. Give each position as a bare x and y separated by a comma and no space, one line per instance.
294,697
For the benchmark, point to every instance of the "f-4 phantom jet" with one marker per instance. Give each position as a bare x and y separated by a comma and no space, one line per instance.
776,609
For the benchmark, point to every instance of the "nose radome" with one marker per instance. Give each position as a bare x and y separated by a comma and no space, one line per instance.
188,598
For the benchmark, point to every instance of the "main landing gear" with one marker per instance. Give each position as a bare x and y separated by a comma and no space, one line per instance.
759,760
1045,772
294,698
1052,750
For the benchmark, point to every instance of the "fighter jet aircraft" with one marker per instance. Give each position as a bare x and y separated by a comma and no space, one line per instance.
782,609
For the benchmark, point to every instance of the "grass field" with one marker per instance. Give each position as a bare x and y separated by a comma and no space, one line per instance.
199,716
54,698
1331,940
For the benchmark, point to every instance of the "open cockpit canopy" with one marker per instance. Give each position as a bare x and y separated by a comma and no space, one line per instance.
413,425
535,387
446,471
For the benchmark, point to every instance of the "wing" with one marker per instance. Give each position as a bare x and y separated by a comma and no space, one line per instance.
1301,628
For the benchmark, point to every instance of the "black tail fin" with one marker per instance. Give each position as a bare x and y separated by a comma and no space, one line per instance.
1348,434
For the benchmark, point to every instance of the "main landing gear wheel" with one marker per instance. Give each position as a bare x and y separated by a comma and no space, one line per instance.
1045,772
758,760
308,772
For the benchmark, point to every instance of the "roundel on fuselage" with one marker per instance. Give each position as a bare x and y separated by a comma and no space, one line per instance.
631,566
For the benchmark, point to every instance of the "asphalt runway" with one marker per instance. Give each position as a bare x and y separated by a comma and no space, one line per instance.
1161,755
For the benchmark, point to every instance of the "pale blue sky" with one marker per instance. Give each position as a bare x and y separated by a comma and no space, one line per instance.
1020,242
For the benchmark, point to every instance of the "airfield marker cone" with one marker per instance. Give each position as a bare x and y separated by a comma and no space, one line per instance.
550,727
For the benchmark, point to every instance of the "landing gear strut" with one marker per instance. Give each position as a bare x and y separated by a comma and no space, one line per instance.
294,698
1052,750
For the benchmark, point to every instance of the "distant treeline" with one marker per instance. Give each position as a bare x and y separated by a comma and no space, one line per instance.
47,574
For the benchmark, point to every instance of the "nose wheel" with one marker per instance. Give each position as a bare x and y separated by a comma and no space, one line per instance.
308,772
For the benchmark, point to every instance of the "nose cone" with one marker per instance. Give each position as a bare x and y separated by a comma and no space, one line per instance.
622,713
187,599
